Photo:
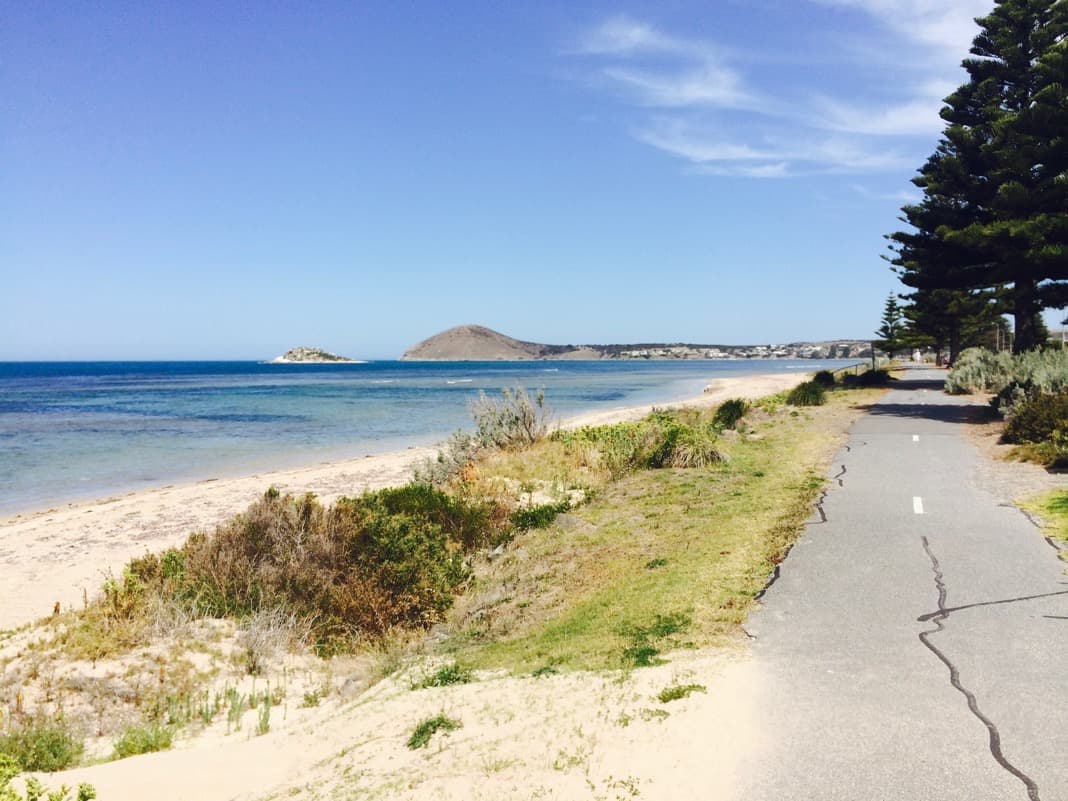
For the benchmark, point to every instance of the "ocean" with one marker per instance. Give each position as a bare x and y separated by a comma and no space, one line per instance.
80,430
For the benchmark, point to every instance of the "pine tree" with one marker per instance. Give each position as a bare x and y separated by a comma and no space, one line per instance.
994,207
892,329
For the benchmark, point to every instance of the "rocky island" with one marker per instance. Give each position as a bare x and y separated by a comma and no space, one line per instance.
304,355
476,343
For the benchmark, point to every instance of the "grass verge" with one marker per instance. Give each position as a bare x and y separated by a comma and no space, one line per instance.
580,593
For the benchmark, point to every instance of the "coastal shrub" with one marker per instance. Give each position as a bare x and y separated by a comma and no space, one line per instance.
42,743
359,567
1013,379
1036,419
143,740
979,370
729,413
297,570
515,420
825,378
691,447
807,394
460,451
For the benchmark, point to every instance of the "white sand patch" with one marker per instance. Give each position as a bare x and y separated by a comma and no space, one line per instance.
567,736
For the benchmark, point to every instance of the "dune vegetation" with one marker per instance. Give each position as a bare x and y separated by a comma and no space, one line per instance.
523,547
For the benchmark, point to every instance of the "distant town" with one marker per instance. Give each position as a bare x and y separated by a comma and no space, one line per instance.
837,349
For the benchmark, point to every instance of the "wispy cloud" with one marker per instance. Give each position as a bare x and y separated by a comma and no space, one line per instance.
774,155
697,103
897,197
943,25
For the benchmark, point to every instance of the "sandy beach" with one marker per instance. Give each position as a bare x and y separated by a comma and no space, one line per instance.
61,555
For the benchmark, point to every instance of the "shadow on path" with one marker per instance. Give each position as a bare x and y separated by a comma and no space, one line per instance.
973,412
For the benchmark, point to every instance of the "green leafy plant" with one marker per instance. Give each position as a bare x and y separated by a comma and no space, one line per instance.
42,744
420,737
1036,419
143,740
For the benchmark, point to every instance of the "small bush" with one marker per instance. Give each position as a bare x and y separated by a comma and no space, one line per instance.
356,569
807,394
1039,371
143,740
1036,419
729,413
515,420
446,676
690,447
42,744
428,728
825,378
460,451
979,370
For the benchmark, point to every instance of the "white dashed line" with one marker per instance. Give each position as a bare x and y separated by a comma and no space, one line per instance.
915,437
917,504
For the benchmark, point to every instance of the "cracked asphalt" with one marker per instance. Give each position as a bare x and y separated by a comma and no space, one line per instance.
915,643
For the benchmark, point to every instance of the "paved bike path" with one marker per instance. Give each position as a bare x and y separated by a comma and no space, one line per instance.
915,644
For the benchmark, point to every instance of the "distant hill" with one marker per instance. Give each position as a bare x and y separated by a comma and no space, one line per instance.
476,343
310,356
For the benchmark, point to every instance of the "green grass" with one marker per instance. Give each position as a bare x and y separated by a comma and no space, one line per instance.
1052,510
700,540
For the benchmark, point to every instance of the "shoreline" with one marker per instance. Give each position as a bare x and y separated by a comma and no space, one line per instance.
62,554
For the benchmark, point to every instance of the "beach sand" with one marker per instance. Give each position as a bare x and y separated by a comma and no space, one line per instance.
62,555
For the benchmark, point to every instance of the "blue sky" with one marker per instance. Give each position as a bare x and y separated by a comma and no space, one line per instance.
227,180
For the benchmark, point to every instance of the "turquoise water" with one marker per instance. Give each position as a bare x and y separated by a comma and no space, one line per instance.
84,430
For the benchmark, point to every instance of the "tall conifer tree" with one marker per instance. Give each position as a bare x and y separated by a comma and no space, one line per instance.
993,213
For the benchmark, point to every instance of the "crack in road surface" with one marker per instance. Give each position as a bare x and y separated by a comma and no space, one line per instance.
947,611
838,477
942,614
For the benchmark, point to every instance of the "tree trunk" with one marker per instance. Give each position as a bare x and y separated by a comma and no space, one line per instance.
954,344
1024,309
940,345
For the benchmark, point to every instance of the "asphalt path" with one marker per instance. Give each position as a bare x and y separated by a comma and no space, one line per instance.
915,643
